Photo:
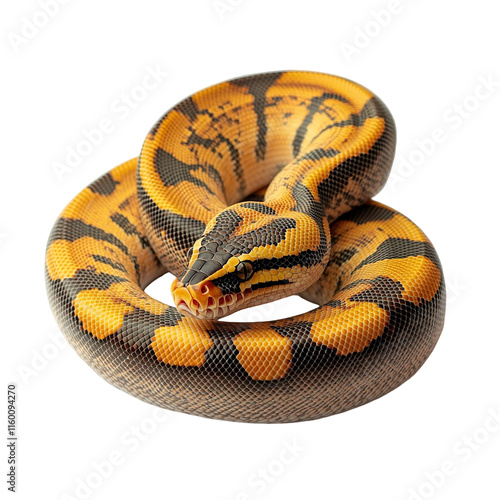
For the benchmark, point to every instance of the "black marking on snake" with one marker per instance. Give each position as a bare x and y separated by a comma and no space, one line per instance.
269,284
334,303
373,108
306,204
74,229
306,354
354,167
188,108
124,204
223,347
212,248
105,185
368,213
196,139
173,224
313,108
110,262
206,264
139,326
212,144
343,256
399,248
275,100
176,224
124,223
385,292
211,267
297,331
318,154
173,171
307,258
272,233
258,87
86,279
193,276
235,158
258,207
228,283
225,225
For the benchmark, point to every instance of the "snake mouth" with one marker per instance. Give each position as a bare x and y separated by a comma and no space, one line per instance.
205,300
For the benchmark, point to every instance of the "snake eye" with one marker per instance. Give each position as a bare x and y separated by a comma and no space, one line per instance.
244,270
189,254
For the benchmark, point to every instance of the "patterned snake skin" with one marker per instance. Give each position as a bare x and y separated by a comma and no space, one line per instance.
249,191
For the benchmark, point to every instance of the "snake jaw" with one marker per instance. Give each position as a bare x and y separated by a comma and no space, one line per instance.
205,300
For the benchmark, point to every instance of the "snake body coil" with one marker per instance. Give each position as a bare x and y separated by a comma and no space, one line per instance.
320,146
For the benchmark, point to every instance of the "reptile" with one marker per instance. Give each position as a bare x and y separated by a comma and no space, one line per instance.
249,191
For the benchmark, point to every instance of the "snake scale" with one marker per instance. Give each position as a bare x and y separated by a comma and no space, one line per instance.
248,191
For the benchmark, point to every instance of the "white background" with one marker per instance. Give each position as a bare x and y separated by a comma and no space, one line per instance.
426,60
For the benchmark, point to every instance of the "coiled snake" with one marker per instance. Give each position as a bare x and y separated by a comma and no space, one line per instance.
192,205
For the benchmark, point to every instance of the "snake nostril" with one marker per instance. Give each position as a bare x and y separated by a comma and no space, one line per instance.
204,289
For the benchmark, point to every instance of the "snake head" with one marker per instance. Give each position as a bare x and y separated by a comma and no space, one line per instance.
247,256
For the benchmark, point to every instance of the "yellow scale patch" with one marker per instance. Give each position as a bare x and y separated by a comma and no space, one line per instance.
265,355
184,344
350,329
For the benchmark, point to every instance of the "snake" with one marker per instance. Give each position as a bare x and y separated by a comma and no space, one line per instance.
250,191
